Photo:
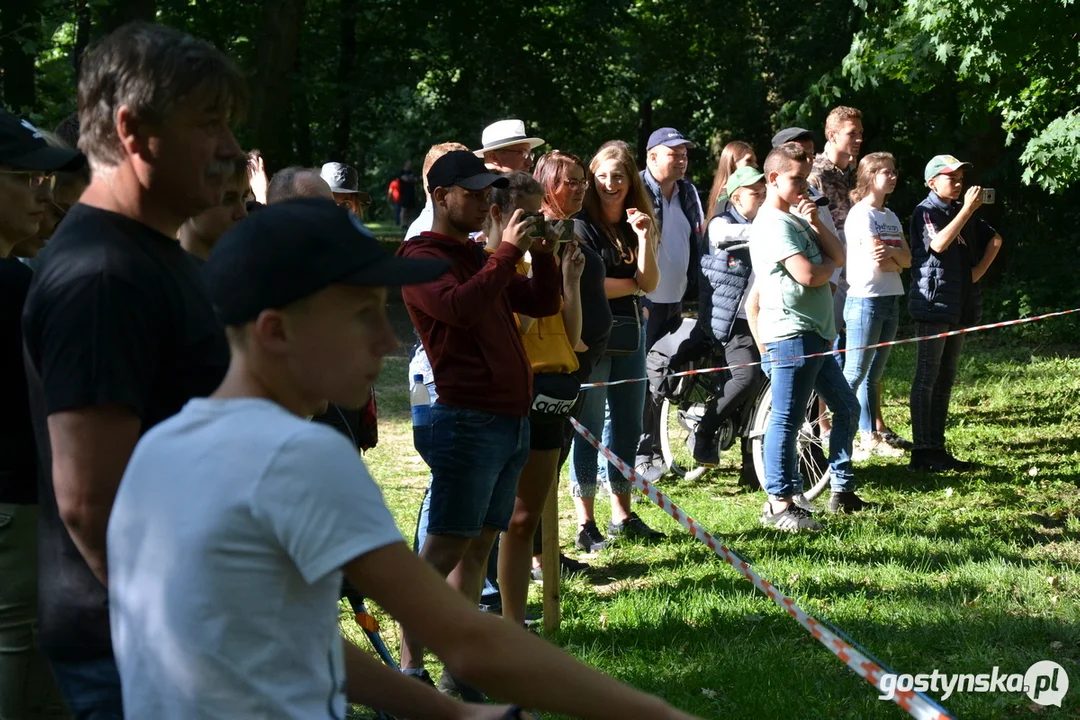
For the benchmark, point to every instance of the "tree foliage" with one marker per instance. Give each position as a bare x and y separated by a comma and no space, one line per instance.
1016,59
373,82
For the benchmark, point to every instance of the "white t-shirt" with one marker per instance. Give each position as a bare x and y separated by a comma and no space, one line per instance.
225,545
864,223
673,253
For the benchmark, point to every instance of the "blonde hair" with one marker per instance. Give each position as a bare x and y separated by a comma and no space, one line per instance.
868,168
729,156
636,196
838,116
433,154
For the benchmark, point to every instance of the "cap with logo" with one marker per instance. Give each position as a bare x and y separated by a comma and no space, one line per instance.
23,147
293,249
943,164
464,169
669,137
744,177
505,133
791,134
340,177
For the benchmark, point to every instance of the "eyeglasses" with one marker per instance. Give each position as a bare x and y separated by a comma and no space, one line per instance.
576,184
887,172
523,153
35,178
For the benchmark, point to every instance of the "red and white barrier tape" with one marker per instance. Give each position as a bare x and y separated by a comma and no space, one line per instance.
905,341
918,705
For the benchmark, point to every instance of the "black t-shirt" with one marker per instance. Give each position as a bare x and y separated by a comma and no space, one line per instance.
18,458
619,262
595,313
406,188
117,314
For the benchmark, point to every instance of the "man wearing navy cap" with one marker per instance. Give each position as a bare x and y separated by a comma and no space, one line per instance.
677,208
478,439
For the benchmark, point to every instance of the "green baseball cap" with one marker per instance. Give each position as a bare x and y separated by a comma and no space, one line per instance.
943,164
743,177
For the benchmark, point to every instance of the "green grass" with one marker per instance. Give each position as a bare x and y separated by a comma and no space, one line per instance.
956,572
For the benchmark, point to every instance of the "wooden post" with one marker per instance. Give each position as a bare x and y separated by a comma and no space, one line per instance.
550,560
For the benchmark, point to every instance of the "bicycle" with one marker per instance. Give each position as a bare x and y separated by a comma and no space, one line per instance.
684,403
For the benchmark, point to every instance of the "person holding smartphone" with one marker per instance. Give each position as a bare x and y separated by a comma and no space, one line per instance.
951,250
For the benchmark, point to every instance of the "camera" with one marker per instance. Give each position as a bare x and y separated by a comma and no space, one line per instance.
564,228
988,196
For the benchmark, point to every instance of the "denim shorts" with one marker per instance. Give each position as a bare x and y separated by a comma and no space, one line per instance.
475,459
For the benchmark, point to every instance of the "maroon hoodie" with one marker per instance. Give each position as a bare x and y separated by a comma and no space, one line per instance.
466,321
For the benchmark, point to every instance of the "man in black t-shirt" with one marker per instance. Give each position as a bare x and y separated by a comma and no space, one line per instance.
118,330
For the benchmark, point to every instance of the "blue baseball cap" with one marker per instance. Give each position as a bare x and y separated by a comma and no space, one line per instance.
669,137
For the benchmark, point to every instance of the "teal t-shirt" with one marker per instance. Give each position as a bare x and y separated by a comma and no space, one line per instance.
787,308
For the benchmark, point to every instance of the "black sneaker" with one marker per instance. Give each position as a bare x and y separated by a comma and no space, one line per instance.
948,462
703,446
924,461
895,441
420,674
792,519
634,527
589,538
449,686
848,502
567,566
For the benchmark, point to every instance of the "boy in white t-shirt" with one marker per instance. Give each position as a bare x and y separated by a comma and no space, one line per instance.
236,518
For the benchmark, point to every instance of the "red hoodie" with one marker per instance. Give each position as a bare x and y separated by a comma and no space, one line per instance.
466,321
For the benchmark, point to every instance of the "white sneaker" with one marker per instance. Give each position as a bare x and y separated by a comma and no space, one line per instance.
797,499
880,446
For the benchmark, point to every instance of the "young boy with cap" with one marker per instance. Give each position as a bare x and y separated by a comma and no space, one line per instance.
236,517
727,275
794,255
951,250
478,439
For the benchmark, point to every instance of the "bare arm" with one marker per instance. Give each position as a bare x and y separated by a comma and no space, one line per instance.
991,252
831,246
372,683
620,287
945,237
501,658
91,447
807,273
753,308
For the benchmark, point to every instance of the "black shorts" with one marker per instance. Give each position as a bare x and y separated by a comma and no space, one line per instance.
553,398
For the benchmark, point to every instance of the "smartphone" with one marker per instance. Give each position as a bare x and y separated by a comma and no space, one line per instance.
564,229
539,225
988,196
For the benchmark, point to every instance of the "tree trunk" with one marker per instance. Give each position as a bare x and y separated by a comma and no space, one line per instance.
645,129
82,35
276,55
18,46
346,66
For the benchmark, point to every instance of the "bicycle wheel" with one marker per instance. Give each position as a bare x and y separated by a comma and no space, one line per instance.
680,417
813,456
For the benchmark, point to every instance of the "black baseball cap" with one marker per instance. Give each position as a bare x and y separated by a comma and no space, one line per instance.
293,249
464,169
791,134
23,147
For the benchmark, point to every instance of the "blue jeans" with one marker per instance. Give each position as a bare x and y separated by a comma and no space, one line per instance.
490,595
869,320
622,428
793,380
91,688
475,458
